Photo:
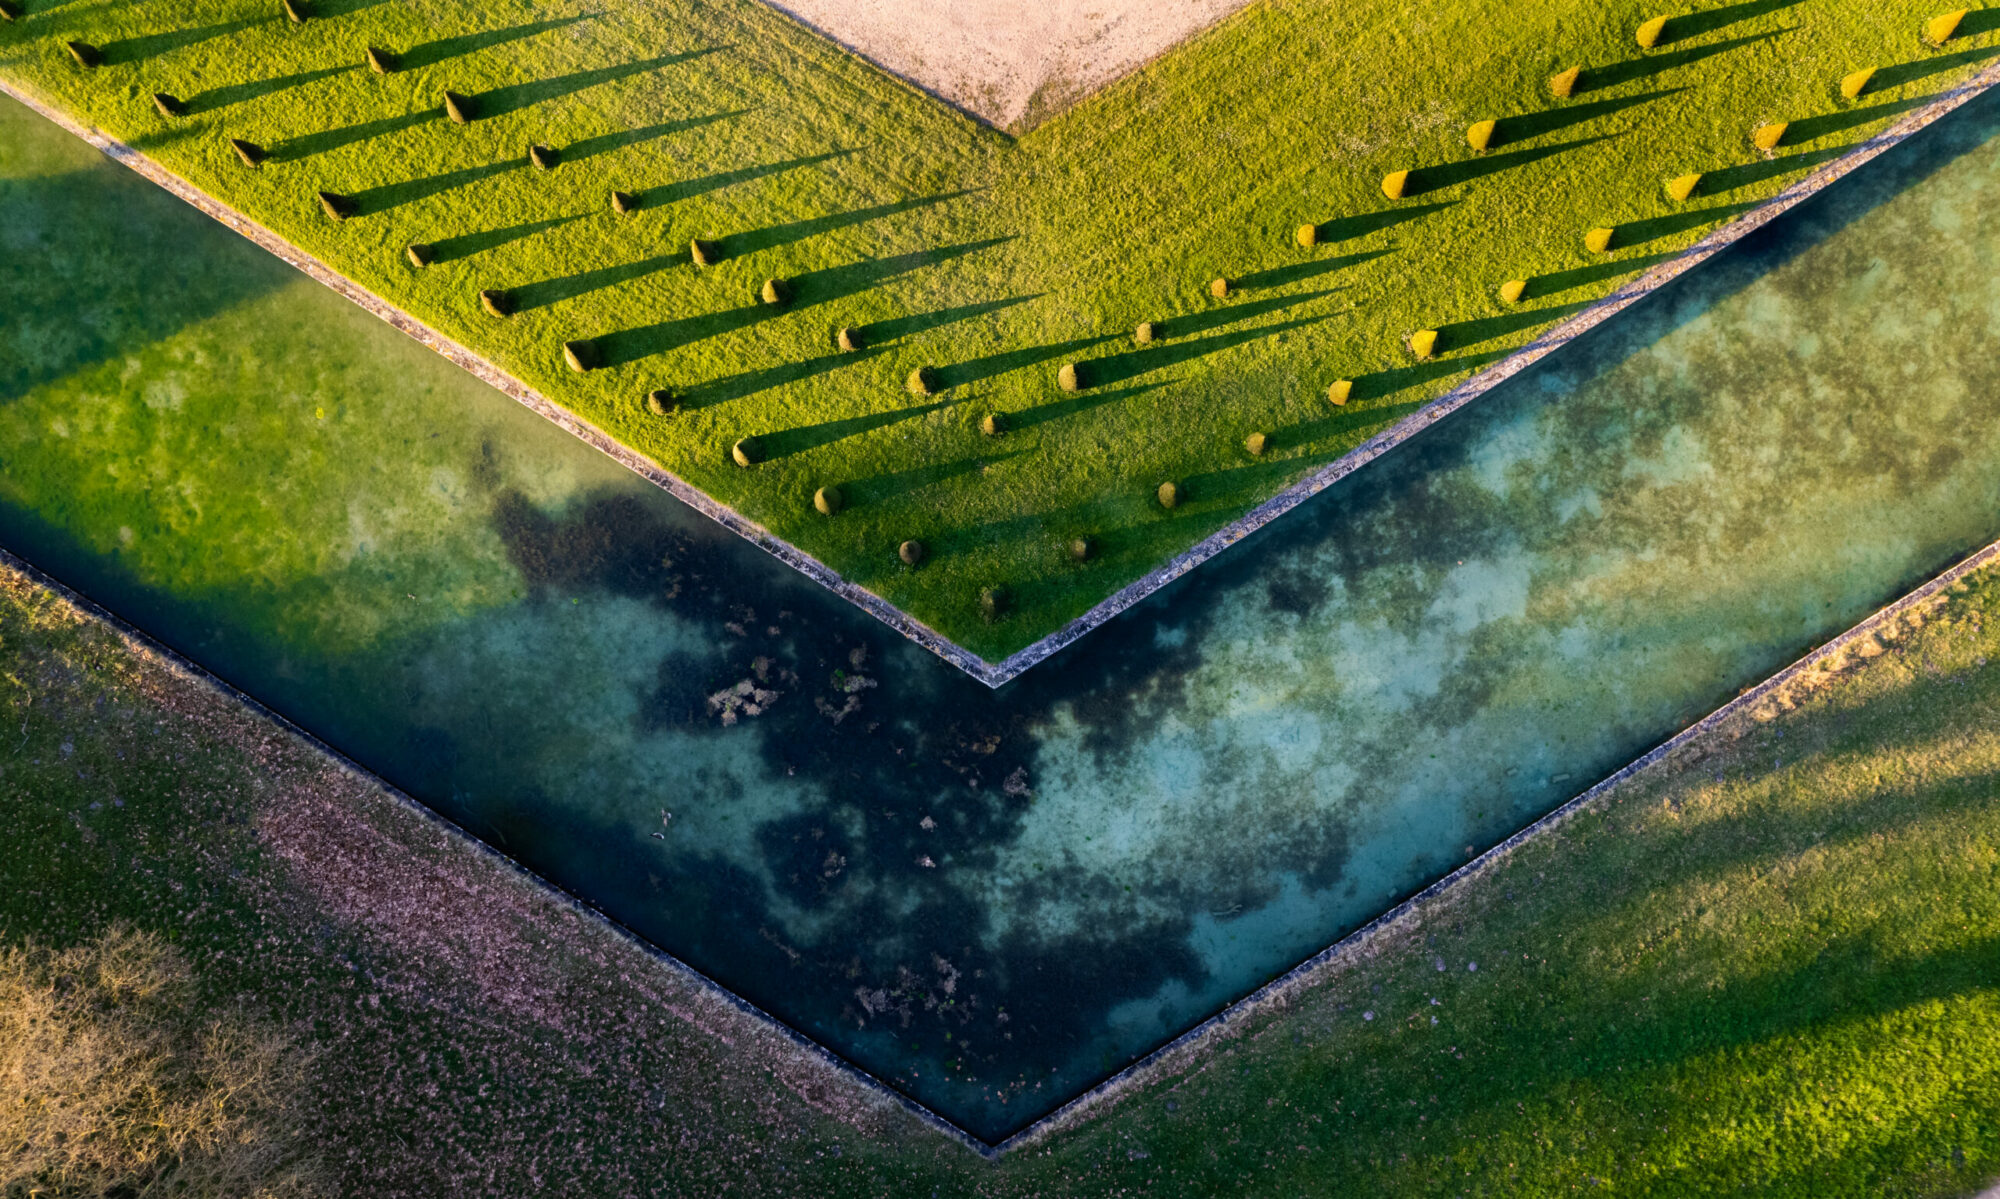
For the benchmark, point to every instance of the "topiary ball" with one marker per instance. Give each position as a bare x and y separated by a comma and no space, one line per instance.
1681,187
774,291
419,254
1943,27
1512,290
1423,343
1852,86
85,54
829,500
460,108
1598,240
380,61
704,253
1562,83
923,381
660,401
994,602
295,11
1071,377
10,11
1219,288
993,424
1146,332
1648,33
1169,495
1338,391
497,302
849,339
580,355
624,203
1257,444
544,158
911,552
1479,135
1307,236
1767,137
169,105
251,153
1395,183
749,451
1082,549
337,206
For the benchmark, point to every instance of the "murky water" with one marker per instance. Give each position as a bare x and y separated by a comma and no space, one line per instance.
993,899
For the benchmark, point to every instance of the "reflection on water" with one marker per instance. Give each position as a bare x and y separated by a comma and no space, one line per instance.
992,899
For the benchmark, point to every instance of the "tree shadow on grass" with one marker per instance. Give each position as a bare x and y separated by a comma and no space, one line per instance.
1377,384
1215,318
1342,422
787,442
465,245
426,54
1978,21
152,45
394,195
529,296
1696,24
923,322
890,484
1246,484
1428,179
1117,368
1508,130
1041,414
1924,68
1299,272
1458,335
687,189
1361,224
516,96
1646,66
978,370
217,98
604,143
750,382
1638,233
1808,129
1728,179
311,144
1557,282
737,244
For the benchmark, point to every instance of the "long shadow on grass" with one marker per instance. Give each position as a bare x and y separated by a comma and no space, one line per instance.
1924,68
425,54
810,437
1508,130
604,143
978,370
394,195
152,45
1556,282
813,287
1117,368
1978,21
1645,67
1457,335
1809,129
516,96
217,98
465,245
1041,414
1299,272
1638,233
876,488
1216,318
310,144
1376,384
737,244
1428,179
750,382
1361,224
923,322
1693,25
688,189
1728,179
530,296
1343,422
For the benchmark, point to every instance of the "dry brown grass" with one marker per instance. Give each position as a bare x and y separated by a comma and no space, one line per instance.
114,1084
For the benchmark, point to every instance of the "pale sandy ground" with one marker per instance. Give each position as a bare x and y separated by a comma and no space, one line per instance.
1012,63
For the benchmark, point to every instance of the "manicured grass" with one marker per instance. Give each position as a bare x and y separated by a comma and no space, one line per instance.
993,260
1769,966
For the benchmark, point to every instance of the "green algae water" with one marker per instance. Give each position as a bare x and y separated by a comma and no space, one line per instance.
993,899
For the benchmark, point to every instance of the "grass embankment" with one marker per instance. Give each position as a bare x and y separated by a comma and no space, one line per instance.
994,261
1770,965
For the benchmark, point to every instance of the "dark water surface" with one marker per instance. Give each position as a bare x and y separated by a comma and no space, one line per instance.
993,899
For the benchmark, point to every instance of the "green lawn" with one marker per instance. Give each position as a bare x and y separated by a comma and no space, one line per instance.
991,259
1769,966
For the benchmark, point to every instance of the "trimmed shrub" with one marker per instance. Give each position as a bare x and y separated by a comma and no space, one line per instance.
704,253
251,153
497,302
1851,86
169,105
295,11
993,424
544,158
660,401
1257,443
1649,33
1146,332
1219,287
1682,187
419,254
380,61
1169,495
1943,27
1423,343
1598,240
1071,377
748,451
1395,183
1562,83
911,552
849,339
580,355
10,11
85,54
337,206
1307,236
624,203
993,603
828,500
1479,135
1767,137
1512,290
460,108
775,291
923,381
1082,549
1338,391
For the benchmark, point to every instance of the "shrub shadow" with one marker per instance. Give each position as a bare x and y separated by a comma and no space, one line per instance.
514,97
1041,414
311,144
1557,282
978,370
465,245
1696,24
1428,179
394,195
216,98
1728,179
529,296
787,442
1117,368
1376,384
1361,224
1638,233
152,45
750,382
1299,272
1508,130
1460,334
737,244
1646,66
687,189
430,53
923,322
876,488
1924,68
1808,129
604,143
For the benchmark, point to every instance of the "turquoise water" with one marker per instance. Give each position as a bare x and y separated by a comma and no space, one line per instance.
992,899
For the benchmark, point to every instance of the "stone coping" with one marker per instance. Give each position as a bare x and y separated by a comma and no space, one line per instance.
994,674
